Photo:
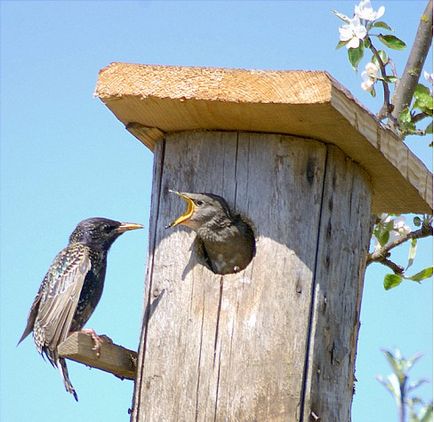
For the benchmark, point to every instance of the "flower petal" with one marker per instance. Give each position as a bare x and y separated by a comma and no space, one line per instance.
380,12
345,33
367,85
353,43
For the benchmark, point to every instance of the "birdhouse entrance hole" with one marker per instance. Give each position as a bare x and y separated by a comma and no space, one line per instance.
199,250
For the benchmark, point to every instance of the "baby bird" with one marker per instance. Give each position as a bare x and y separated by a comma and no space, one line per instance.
228,242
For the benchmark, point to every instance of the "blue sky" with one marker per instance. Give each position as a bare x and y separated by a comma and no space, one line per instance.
64,157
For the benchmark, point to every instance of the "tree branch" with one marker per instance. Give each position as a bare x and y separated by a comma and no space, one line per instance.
419,116
387,108
383,253
397,269
405,88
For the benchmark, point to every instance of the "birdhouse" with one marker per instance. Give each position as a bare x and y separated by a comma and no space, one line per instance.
305,165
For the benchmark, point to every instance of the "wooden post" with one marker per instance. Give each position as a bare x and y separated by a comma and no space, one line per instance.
276,341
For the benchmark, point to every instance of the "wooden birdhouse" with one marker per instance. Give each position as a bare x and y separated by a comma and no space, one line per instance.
306,165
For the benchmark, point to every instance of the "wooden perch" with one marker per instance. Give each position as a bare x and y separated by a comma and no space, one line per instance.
113,358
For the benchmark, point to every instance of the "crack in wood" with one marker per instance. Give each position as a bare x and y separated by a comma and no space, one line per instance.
235,171
159,178
218,319
217,387
191,295
332,352
233,330
199,359
312,294
350,207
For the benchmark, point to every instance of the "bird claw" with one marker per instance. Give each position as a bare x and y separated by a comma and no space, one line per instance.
98,340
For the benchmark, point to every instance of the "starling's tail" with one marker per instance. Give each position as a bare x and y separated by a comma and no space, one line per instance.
64,371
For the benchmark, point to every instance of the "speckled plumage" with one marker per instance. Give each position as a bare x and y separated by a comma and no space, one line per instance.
72,288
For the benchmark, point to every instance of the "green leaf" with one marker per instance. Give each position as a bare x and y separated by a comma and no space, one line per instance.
394,381
390,79
340,44
382,236
391,281
405,116
406,123
381,24
421,90
412,253
426,413
383,56
373,92
392,42
389,384
355,55
429,128
421,275
341,16
423,99
417,221
392,360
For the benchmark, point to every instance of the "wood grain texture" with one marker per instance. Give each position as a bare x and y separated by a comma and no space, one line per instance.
113,358
235,347
338,284
154,100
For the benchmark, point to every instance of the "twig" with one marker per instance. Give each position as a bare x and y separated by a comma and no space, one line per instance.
387,108
406,86
419,116
397,269
382,254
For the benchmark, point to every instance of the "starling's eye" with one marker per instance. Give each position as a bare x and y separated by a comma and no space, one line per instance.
107,229
199,203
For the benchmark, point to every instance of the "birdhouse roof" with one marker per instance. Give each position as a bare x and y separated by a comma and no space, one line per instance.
154,100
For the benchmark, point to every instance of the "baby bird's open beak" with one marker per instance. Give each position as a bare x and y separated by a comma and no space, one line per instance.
191,208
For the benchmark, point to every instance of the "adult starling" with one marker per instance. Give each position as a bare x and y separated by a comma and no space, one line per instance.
71,289
228,242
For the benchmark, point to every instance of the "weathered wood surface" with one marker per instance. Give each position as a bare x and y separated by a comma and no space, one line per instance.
241,347
112,358
154,100
339,273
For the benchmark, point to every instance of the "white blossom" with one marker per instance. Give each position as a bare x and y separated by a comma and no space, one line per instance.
352,32
399,229
365,11
428,76
369,76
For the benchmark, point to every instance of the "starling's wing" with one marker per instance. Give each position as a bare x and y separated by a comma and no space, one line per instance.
59,301
32,314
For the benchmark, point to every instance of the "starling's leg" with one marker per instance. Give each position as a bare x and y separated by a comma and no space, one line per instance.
98,340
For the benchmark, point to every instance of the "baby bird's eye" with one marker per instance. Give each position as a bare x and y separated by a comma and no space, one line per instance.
199,203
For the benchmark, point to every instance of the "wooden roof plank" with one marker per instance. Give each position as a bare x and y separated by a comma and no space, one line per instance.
153,100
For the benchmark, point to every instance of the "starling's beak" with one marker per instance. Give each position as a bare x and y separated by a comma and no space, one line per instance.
128,226
191,207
